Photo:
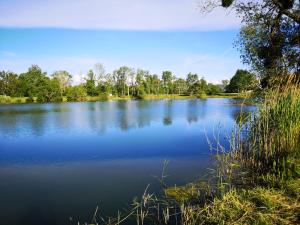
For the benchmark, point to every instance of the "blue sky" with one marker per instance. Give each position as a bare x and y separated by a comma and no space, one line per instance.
154,35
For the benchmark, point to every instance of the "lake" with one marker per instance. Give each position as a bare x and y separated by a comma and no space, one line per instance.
59,161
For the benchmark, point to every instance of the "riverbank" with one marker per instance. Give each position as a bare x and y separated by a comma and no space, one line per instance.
23,100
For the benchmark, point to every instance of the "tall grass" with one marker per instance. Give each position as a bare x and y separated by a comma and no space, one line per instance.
267,147
5,99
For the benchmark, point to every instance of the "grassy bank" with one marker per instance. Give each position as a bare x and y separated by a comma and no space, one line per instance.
20,100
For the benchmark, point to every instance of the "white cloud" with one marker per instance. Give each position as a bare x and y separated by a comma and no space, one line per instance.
115,14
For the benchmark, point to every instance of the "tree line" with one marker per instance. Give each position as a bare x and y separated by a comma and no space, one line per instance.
124,81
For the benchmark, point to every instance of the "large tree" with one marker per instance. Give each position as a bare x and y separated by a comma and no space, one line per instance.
167,78
33,81
270,36
242,81
9,84
192,83
64,80
90,83
121,77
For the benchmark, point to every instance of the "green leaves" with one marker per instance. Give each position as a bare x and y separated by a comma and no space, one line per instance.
226,3
241,81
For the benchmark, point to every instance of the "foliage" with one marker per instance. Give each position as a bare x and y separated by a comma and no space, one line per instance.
32,81
64,80
241,81
5,99
76,93
167,78
90,84
269,38
192,81
9,84
213,89
272,146
127,82
50,92
122,77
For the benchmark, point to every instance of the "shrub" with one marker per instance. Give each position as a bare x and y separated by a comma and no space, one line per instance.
30,99
5,99
76,93
103,96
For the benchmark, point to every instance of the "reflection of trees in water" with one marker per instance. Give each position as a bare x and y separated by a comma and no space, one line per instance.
143,113
124,111
62,116
9,124
192,111
96,116
195,108
104,116
37,124
168,112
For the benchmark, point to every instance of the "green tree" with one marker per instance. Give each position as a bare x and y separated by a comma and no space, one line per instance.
76,93
269,38
242,81
201,87
141,85
180,86
9,84
213,89
121,77
90,84
64,80
50,91
33,81
192,83
167,78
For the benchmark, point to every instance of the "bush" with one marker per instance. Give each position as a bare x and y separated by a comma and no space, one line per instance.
30,99
103,97
202,95
5,99
76,93
18,100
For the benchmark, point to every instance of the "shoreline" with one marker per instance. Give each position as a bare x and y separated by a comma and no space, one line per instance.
23,100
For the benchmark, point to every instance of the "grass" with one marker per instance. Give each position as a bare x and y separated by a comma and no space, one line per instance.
230,95
12,100
17,100
165,96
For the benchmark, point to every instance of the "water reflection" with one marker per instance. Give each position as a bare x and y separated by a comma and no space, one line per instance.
61,160
167,120
110,130
40,119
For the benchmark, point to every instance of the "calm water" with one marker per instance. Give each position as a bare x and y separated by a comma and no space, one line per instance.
62,160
